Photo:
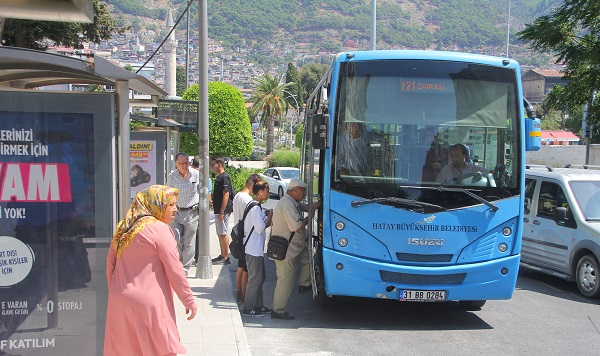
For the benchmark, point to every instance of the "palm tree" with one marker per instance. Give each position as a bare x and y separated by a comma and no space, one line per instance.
268,103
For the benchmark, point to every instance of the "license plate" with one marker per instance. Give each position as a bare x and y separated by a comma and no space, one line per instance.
422,295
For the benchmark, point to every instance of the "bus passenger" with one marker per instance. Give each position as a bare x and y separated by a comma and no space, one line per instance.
434,157
352,153
256,222
240,201
287,218
458,166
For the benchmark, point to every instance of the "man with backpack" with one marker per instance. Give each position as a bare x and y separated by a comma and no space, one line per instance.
223,195
240,202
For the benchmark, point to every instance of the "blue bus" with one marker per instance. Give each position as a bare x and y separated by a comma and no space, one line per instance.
417,158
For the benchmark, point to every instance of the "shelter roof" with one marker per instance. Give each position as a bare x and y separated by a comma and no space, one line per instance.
23,68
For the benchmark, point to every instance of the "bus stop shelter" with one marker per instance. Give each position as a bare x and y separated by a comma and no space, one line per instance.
64,182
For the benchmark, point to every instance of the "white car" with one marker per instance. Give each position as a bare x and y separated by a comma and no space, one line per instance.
279,178
561,225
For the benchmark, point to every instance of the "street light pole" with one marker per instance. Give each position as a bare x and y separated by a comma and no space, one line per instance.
507,28
296,111
204,264
373,24
187,46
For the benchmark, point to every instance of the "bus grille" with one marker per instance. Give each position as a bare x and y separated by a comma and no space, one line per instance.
413,257
422,279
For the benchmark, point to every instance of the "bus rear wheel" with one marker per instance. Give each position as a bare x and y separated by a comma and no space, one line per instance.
471,305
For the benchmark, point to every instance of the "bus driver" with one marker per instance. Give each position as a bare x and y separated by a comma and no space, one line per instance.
458,166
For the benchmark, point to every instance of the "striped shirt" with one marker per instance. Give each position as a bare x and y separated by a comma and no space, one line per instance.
188,188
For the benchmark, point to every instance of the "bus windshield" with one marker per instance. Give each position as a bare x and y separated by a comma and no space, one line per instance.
405,128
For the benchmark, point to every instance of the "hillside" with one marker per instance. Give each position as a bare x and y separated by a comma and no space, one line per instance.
466,25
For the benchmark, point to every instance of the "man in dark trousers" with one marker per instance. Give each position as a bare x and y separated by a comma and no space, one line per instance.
185,225
223,206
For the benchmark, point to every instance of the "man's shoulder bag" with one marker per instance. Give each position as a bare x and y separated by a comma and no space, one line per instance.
278,246
237,247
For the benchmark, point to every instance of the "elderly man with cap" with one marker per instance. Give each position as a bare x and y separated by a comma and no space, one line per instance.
288,218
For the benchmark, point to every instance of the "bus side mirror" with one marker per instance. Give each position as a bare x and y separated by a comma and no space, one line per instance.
320,132
533,134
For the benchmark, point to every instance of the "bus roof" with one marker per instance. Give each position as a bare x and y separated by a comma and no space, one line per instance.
427,55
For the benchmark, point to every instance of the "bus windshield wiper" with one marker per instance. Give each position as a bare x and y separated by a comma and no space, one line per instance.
409,204
469,193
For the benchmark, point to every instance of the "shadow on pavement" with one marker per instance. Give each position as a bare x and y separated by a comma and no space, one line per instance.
539,282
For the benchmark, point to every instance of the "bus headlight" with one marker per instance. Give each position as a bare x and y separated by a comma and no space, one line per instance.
502,247
506,231
343,242
340,225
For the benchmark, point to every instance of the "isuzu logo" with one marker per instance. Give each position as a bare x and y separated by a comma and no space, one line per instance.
425,242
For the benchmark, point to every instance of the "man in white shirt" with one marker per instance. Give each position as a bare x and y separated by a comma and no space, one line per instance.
458,155
185,224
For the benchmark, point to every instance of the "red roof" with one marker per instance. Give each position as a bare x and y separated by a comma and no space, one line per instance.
549,73
559,135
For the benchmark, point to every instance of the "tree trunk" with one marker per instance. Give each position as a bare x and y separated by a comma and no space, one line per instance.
270,134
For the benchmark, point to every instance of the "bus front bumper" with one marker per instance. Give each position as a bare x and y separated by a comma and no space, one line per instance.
347,275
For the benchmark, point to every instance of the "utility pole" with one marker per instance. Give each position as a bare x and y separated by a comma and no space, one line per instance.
507,28
373,24
204,265
187,47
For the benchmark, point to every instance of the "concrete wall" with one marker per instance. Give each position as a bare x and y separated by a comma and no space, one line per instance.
559,156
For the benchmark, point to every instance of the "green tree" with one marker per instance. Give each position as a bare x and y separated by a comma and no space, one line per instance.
230,133
310,75
298,138
29,34
292,76
268,103
180,84
572,33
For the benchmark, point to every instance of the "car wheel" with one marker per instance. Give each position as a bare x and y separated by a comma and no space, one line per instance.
280,192
472,305
587,276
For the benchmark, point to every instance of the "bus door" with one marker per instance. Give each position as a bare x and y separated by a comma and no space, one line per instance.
313,158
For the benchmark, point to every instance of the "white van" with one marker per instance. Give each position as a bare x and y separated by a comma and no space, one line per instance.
561,224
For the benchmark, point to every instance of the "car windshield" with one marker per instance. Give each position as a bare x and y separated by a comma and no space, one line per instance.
587,195
289,173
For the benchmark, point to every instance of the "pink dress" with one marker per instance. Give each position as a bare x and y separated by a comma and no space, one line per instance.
140,319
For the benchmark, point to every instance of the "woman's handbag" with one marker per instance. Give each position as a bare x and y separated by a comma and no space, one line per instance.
277,247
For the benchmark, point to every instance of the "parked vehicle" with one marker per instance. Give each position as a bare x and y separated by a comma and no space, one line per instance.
561,224
279,178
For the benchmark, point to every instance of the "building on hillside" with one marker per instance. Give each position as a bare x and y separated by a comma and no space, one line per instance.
559,138
537,83
82,53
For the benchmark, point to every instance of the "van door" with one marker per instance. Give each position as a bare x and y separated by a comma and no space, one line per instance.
545,242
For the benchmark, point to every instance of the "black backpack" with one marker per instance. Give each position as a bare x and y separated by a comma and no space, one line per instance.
237,247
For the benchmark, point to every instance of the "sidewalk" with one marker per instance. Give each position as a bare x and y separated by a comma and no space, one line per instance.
217,328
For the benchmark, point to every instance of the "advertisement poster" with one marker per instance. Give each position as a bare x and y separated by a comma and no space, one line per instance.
49,284
142,158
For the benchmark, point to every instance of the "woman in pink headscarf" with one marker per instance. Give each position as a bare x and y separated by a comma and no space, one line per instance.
143,270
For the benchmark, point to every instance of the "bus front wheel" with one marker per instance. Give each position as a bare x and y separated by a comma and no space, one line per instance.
322,299
471,305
